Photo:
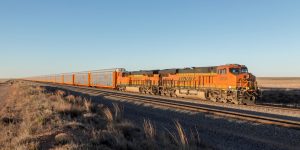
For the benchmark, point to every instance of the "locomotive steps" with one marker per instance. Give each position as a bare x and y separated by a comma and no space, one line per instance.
285,117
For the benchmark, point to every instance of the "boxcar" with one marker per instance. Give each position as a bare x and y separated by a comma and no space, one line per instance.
68,78
81,78
103,78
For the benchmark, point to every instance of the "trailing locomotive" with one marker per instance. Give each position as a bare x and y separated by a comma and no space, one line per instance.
230,83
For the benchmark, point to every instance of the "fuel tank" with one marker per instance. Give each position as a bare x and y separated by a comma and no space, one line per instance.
186,93
132,89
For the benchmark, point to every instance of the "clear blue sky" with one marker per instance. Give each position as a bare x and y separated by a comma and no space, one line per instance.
54,36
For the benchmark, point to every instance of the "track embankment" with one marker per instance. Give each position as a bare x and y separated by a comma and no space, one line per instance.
231,131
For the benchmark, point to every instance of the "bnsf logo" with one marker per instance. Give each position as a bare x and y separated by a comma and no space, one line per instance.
186,78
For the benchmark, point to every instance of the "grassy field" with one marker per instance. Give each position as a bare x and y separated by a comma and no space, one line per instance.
33,118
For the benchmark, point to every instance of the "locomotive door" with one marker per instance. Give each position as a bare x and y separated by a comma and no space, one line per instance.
222,78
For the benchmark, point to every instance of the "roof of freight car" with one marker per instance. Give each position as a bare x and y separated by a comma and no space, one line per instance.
100,70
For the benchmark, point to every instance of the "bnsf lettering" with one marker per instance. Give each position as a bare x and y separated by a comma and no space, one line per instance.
186,78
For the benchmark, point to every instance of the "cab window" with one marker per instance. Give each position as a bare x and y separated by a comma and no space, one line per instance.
222,71
244,70
234,70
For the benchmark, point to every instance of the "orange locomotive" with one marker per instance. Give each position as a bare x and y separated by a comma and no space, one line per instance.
227,83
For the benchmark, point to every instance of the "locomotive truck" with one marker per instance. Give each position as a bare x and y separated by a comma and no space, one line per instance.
231,83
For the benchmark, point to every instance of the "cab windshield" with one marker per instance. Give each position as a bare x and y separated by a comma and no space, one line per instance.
244,70
238,70
234,70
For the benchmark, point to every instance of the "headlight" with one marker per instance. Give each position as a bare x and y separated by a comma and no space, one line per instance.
247,76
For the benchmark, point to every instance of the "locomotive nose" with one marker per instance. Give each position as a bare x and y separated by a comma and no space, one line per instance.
250,77
247,76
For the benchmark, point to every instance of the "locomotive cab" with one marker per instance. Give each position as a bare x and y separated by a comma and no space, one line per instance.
238,82
245,80
246,84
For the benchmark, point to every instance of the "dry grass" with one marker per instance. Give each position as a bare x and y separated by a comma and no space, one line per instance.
180,139
108,114
149,129
118,109
63,138
71,98
88,105
35,118
182,136
195,137
69,109
60,93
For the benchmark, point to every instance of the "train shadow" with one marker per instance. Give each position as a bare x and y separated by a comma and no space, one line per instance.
280,96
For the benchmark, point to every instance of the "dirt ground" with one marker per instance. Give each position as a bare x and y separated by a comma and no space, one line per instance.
3,94
3,80
280,82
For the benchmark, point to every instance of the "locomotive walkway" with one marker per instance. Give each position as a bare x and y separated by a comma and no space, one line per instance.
218,130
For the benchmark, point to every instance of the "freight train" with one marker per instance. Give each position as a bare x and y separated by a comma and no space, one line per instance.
231,83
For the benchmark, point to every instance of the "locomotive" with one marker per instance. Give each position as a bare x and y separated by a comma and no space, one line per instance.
231,83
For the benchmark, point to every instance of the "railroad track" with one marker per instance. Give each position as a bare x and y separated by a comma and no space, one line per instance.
272,106
195,101
263,118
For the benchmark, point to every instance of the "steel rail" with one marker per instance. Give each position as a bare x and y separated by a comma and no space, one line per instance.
283,107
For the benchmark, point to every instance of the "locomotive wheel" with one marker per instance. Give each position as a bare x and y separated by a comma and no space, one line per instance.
213,96
172,94
249,100
223,100
154,91
213,99
141,90
235,101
